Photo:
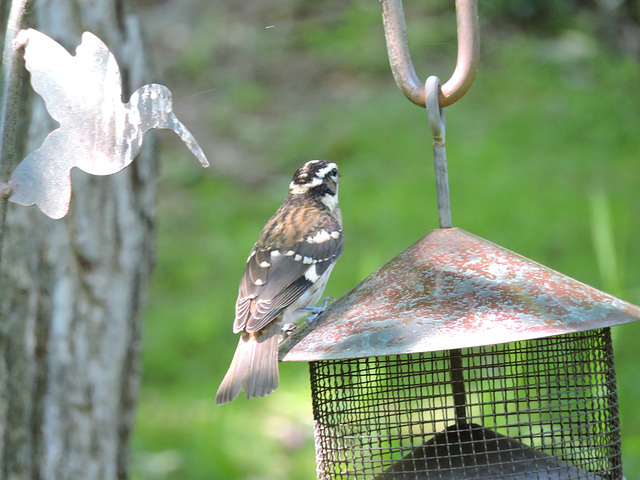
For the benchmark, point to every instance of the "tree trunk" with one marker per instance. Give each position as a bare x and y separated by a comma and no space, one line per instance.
73,290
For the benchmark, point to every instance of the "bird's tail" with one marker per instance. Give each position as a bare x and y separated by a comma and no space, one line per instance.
254,367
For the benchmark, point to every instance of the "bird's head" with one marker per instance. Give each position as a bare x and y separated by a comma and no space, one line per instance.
318,178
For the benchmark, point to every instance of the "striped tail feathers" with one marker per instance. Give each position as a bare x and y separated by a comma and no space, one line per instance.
254,367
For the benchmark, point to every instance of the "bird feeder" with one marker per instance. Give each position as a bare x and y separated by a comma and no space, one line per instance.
460,359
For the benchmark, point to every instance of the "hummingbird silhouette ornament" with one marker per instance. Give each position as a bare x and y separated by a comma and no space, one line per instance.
98,133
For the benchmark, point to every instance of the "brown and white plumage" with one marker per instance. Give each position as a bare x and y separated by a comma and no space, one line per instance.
287,271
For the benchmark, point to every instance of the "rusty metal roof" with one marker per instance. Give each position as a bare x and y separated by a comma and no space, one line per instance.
453,289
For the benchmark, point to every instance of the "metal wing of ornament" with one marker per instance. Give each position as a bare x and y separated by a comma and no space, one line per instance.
98,133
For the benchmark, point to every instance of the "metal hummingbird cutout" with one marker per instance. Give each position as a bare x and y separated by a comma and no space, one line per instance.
98,133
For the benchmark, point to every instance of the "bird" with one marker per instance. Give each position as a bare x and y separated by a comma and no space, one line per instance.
98,133
285,275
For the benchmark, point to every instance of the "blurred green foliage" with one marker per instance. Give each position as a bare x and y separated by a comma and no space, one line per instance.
543,159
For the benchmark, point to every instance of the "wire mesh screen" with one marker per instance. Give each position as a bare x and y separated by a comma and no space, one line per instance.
537,409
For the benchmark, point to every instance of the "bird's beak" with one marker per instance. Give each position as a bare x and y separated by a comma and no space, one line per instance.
333,185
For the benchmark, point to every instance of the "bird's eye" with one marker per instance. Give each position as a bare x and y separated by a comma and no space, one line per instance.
334,172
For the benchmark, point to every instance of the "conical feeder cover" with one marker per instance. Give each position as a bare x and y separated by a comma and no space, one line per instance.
452,289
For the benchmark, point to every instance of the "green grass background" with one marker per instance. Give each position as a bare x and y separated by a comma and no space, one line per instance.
543,159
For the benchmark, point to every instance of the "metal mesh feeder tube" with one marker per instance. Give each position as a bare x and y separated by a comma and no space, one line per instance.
530,414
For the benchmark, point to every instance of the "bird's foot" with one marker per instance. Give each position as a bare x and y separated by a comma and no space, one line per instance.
317,311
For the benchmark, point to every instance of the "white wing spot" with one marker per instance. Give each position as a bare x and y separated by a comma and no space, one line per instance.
297,258
311,274
258,282
290,253
275,253
335,234
320,237
308,260
265,264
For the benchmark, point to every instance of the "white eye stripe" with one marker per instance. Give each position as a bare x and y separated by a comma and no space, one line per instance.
307,166
304,174
301,188
323,172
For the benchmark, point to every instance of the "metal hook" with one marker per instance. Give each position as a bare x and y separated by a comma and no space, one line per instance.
395,30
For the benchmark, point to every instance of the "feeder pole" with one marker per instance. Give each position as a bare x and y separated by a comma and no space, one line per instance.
435,98
9,102
437,124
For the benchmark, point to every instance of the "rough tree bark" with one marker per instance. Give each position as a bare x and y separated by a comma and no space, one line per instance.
73,290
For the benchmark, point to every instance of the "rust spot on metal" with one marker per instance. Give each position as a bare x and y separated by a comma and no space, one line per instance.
453,289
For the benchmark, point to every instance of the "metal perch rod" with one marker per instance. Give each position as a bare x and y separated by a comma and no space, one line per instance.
395,30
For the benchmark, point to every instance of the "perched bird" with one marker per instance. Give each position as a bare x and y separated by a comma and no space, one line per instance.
285,275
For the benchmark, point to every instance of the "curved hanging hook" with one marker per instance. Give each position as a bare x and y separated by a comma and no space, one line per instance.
395,30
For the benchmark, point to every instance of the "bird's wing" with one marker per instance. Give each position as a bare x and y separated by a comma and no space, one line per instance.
276,275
